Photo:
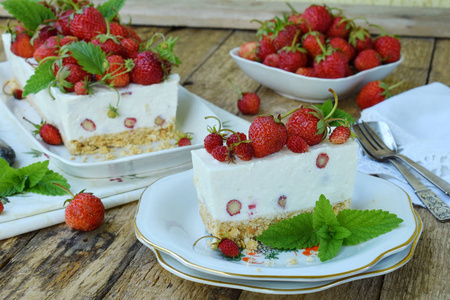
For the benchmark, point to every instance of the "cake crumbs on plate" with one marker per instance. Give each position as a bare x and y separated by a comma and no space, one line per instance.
270,262
291,261
310,259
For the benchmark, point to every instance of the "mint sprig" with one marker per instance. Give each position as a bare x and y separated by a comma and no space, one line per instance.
42,77
327,107
109,9
323,227
30,13
90,57
35,178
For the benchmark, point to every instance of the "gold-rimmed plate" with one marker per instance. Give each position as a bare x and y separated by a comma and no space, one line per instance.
167,220
387,265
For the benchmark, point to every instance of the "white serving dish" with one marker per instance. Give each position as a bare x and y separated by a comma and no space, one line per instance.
168,220
309,89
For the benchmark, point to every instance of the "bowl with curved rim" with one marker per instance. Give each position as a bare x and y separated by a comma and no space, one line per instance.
310,89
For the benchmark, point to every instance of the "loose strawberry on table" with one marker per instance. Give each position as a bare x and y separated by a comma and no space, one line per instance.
374,92
49,133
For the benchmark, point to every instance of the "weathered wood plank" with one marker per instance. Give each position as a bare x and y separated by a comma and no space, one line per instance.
440,71
62,263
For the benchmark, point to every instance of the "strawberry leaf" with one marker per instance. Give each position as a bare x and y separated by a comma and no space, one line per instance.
110,8
327,107
30,13
40,80
46,186
90,57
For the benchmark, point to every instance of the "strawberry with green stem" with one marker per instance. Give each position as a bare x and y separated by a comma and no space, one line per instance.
215,137
184,139
228,247
331,63
388,46
374,92
292,57
49,133
248,103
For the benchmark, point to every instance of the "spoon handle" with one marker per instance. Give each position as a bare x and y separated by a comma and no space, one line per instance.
435,205
437,181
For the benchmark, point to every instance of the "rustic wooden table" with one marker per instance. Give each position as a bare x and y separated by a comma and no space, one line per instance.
60,263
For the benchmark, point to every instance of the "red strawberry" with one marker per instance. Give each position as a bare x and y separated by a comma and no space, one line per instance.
268,135
67,40
2,202
184,139
49,48
70,74
373,93
117,74
147,69
42,33
109,44
388,47
236,138
344,46
285,35
15,92
117,29
311,44
62,22
211,141
21,45
318,17
360,39
130,47
304,123
49,133
264,48
293,57
367,59
85,212
81,88
87,24
306,71
297,144
272,60
249,103
132,34
228,247
248,50
340,134
221,153
340,27
330,64
244,151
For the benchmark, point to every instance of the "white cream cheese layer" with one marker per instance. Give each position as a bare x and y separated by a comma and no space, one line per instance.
260,184
141,106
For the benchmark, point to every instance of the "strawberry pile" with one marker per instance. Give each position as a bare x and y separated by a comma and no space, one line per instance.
306,126
81,45
320,43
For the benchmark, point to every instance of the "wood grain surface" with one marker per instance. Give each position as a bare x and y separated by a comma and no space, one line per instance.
110,263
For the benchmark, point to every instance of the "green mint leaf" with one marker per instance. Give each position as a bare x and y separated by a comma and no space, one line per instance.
110,8
40,80
11,182
294,233
366,224
328,248
31,14
324,214
327,107
333,232
90,57
46,186
34,172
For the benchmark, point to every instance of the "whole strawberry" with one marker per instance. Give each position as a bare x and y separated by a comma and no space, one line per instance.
318,17
388,47
87,24
67,76
264,48
332,63
373,93
311,40
304,123
147,69
248,103
340,134
228,247
340,27
343,46
367,59
184,139
248,50
49,48
215,137
21,45
118,71
268,135
360,39
291,58
272,60
49,133
85,212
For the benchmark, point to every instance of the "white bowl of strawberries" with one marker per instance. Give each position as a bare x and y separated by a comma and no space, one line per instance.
302,55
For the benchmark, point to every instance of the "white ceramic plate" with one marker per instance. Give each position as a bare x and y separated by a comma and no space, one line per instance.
387,265
168,220
191,113
309,89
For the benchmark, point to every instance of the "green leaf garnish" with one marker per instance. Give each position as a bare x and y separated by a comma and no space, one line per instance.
34,178
109,9
90,57
323,227
30,13
327,107
40,80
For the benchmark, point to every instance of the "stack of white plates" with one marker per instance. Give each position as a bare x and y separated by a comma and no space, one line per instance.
167,221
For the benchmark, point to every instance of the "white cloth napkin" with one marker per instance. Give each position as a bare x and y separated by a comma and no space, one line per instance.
419,121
